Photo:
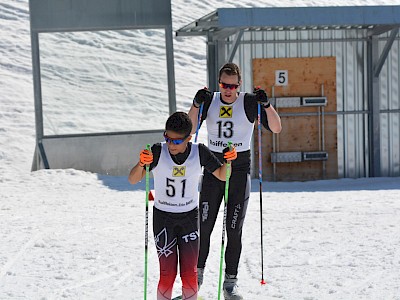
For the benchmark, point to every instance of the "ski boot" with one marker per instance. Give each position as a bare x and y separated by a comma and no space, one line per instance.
231,288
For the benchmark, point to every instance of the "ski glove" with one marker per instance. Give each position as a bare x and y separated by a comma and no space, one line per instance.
202,96
146,157
230,154
261,96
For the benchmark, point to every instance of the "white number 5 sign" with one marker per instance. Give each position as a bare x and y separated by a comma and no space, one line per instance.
281,77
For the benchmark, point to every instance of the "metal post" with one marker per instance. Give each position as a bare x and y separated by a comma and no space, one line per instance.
374,105
170,69
274,138
323,132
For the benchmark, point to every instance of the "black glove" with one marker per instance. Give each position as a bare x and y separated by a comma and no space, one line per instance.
202,96
262,97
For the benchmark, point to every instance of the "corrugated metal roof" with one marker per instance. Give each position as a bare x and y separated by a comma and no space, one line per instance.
295,18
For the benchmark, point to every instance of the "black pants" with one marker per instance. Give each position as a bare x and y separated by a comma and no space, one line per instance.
211,195
176,238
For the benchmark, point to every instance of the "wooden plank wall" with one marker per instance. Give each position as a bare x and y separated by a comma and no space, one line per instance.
299,133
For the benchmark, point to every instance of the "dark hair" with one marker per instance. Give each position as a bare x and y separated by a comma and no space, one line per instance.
230,69
179,122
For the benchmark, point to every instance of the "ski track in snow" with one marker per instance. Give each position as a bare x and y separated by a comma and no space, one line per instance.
12,260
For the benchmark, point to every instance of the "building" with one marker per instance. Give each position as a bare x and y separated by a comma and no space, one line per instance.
333,73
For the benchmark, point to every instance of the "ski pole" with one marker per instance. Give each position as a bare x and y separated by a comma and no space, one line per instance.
146,228
198,122
228,175
260,178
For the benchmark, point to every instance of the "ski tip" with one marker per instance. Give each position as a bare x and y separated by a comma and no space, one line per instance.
263,282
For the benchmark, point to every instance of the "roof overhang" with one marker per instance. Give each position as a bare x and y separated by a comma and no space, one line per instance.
378,18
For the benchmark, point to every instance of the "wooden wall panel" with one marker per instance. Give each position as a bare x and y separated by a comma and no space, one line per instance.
306,77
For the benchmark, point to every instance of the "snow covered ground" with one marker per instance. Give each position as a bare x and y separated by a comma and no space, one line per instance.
69,234
76,235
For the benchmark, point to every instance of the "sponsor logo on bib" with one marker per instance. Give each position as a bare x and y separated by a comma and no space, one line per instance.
178,171
223,144
225,111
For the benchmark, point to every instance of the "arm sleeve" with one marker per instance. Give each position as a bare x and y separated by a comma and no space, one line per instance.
251,109
156,150
205,110
207,159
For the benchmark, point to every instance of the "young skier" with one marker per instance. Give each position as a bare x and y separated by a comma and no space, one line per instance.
176,166
230,116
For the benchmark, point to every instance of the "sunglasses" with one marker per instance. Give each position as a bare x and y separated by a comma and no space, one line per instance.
175,141
228,86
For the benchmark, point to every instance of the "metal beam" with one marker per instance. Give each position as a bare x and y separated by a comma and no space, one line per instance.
43,155
206,24
223,33
378,66
380,29
235,45
190,33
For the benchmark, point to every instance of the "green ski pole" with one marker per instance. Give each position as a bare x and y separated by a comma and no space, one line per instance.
228,175
146,227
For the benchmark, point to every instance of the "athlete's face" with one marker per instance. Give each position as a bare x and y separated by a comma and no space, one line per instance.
228,86
174,148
